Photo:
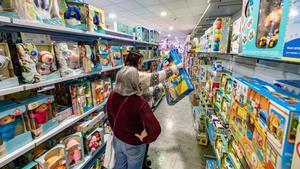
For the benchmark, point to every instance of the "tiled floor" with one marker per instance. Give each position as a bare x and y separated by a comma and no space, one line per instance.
176,147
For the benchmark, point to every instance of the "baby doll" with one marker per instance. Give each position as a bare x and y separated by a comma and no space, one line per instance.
40,114
45,65
28,59
106,90
64,55
95,142
73,151
3,65
7,127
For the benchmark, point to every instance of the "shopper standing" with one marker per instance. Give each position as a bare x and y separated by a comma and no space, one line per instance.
134,124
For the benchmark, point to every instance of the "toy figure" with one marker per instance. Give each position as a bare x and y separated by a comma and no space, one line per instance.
45,65
95,141
7,127
73,151
28,58
40,114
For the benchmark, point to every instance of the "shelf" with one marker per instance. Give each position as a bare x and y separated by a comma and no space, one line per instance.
37,141
51,82
150,60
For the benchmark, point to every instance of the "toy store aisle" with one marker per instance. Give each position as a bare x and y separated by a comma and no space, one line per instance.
176,147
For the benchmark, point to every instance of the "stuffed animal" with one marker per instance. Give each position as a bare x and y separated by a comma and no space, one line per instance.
73,15
28,58
45,65
73,151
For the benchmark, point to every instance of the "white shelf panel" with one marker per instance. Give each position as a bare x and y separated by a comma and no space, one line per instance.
4,19
150,60
37,141
11,90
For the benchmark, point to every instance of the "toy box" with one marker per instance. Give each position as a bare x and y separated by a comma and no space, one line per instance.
39,118
54,158
18,9
96,59
178,86
116,55
13,134
63,112
120,27
142,33
93,140
220,34
68,58
98,92
96,19
7,75
81,96
74,149
107,87
156,36
202,139
49,11
89,123
106,59
151,36
211,164
86,56
75,15
236,43
296,156
269,29
292,86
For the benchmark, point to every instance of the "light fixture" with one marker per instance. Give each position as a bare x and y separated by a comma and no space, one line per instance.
169,35
159,32
112,16
293,13
171,28
163,13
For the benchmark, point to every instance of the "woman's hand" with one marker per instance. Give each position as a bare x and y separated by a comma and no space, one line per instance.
142,135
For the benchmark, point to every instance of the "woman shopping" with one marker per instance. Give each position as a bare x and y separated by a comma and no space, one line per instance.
132,120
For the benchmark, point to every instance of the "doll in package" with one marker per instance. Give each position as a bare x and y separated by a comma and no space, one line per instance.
68,58
86,56
178,85
98,92
116,55
107,88
74,148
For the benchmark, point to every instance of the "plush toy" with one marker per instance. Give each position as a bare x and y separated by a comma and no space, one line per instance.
28,58
40,114
73,151
7,127
46,9
45,65
73,15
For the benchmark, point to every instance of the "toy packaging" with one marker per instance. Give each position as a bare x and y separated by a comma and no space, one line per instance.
81,95
94,120
96,56
151,36
13,133
96,19
211,164
269,29
107,88
48,11
296,156
98,92
19,9
292,86
94,140
54,159
68,58
7,75
76,15
106,60
39,118
142,33
221,31
236,43
74,149
120,27
177,86
86,56
63,112
116,55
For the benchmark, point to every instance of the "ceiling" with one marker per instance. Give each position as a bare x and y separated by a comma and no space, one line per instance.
182,15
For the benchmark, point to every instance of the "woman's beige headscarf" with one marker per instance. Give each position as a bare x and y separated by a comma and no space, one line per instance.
127,81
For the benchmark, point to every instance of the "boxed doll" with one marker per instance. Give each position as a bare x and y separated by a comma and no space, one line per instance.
106,60
19,9
7,75
97,92
93,140
236,43
86,56
177,86
96,19
81,96
120,27
76,15
39,118
142,33
13,133
74,149
48,11
54,158
90,122
96,56
107,87
68,58
116,55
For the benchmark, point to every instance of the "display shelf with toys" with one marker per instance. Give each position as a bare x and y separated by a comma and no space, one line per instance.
153,59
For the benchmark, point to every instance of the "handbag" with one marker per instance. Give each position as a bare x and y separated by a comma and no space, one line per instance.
109,157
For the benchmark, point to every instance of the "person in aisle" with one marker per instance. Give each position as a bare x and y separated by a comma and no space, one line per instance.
133,122
150,83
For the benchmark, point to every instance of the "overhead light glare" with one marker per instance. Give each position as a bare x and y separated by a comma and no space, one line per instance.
112,16
169,35
163,13
171,28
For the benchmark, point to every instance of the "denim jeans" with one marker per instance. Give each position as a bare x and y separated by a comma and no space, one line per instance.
128,156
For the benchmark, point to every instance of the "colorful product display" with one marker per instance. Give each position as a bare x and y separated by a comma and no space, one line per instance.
98,92
76,15
142,33
120,27
221,30
81,94
116,55
54,158
96,19
292,86
86,56
236,43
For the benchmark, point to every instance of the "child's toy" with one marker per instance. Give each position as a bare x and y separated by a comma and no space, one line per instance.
48,11
292,86
28,59
178,86
236,44
68,58
269,31
94,140
13,134
86,56
151,36
107,87
105,59
96,59
98,92
142,33
74,149
81,96
96,19
54,158
296,156
202,139
120,27
63,112
94,120
211,164
76,15
39,118
116,55
18,9
221,33
7,75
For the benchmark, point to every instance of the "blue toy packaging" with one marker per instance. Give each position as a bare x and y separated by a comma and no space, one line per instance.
13,134
211,164
269,29
292,86
142,33
177,86
116,55
76,15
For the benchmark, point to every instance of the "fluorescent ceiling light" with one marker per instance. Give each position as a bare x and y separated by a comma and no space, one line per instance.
112,15
159,32
171,28
293,13
163,13
169,35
